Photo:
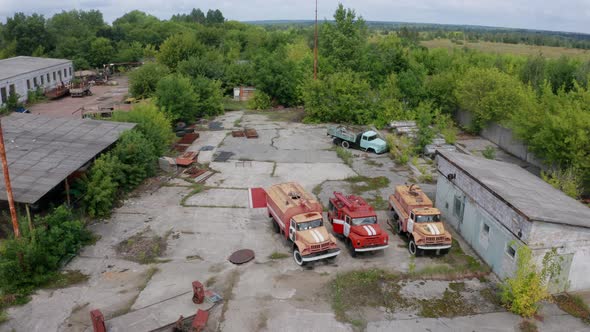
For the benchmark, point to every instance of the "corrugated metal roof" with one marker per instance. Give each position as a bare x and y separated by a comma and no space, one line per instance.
527,193
20,65
43,151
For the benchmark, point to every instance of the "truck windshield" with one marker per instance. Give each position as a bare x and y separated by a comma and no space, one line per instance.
430,218
303,226
364,221
370,138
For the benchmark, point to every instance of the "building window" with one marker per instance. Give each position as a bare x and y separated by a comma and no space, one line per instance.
510,251
3,94
42,80
458,208
54,78
70,71
35,82
12,89
28,84
48,79
59,72
65,73
486,229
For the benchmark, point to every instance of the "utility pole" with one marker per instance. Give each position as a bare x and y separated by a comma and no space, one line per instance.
7,184
315,44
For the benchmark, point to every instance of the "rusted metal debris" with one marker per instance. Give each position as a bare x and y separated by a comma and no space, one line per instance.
238,133
241,256
187,158
251,133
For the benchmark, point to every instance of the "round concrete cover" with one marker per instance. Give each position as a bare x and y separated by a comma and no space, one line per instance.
242,256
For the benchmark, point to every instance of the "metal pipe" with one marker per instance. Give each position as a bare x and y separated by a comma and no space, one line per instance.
8,186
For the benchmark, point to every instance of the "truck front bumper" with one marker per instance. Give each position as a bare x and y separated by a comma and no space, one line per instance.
435,247
371,248
321,255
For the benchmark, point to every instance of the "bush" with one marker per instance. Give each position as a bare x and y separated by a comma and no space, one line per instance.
489,152
138,159
522,293
568,180
152,123
210,96
143,80
260,101
401,148
101,185
55,237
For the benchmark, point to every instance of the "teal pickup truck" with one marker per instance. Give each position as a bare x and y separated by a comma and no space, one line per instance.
367,141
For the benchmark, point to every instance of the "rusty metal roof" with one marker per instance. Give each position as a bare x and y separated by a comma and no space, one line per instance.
43,151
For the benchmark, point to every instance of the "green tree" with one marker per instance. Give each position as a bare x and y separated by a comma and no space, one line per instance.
143,81
341,97
210,97
214,16
278,77
490,95
152,123
101,52
177,98
180,47
343,41
101,185
138,159
28,33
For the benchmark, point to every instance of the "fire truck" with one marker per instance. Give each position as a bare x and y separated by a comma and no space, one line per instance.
355,221
416,217
297,216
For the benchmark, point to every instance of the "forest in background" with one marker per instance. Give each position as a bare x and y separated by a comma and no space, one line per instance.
367,75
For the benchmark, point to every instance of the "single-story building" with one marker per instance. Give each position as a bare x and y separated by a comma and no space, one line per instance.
243,93
43,152
498,207
24,73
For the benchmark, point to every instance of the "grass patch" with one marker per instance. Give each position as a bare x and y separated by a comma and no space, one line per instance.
3,316
228,292
489,152
345,155
274,169
360,184
66,279
455,264
372,162
318,189
452,304
528,326
378,203
229,104
143,247
284,115
573,305
196,188
278,255
491,295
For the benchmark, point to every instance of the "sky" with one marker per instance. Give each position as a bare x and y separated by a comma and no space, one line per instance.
564,15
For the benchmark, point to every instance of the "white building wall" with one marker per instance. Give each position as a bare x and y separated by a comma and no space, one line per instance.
20,82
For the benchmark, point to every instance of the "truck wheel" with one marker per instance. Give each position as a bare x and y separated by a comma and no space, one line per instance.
336,141
275,226
350,248
412,247
345,144
297,257
395,215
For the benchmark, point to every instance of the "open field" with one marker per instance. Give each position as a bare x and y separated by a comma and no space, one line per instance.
384,291
517,49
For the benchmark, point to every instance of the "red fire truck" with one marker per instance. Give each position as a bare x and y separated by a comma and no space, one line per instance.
356,221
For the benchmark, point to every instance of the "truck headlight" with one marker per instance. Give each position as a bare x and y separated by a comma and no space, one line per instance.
358,242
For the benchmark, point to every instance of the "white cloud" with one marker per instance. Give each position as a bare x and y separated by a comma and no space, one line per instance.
571,15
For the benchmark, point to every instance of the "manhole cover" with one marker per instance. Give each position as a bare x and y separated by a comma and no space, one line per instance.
242,256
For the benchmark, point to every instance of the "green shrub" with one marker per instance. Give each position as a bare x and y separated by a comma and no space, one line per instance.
138,159
152,123
567,180
143,80
101,185
401,148
489,152
55,237
260,101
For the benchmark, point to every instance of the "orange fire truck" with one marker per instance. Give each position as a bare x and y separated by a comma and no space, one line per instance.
356,221
297,216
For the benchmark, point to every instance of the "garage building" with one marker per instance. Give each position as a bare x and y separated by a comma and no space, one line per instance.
24,73
497,207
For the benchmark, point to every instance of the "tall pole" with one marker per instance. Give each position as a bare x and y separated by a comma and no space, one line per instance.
8,186
315,44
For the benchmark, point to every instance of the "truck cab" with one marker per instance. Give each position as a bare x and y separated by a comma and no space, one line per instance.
311,238
356,221
371,141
